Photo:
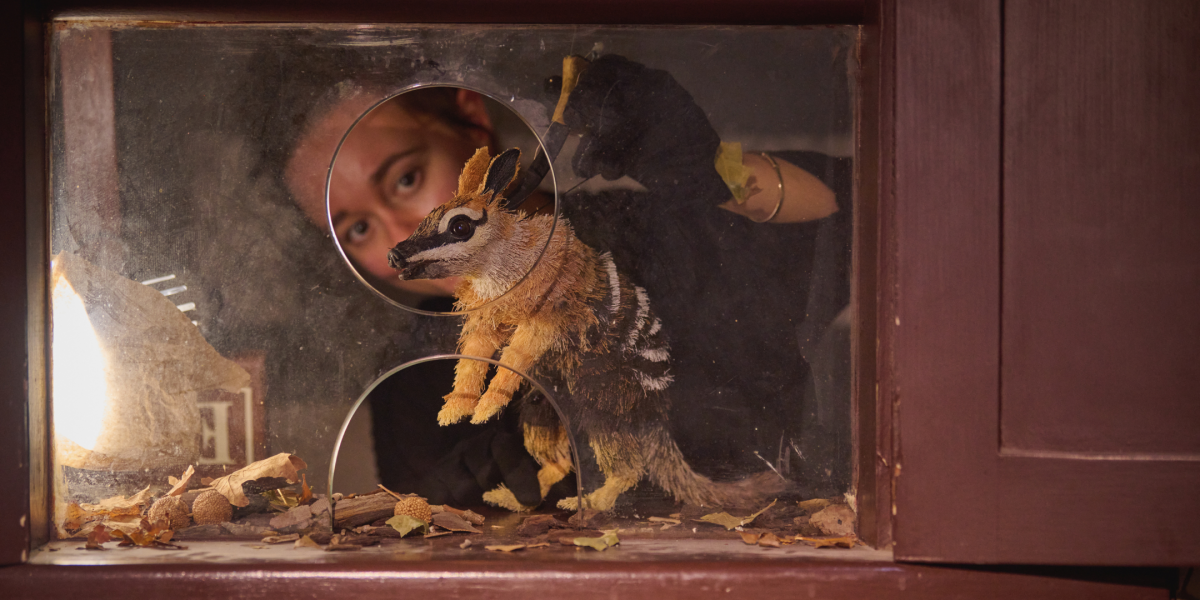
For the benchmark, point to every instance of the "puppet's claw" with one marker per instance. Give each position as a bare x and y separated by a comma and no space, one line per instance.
602,499
571,503
504,498
489,405
458,405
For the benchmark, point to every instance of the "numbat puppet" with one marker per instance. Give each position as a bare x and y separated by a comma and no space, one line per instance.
575,322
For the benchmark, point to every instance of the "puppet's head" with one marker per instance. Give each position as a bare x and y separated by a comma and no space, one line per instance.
458,237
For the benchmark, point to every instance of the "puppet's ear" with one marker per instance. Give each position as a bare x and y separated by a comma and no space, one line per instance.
502,172
473,173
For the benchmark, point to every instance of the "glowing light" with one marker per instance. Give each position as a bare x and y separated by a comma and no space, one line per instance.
78,384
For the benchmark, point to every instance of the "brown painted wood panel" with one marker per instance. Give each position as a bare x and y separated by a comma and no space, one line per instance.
945,352
1093,217
1117,512
14,456
1101,322
518,579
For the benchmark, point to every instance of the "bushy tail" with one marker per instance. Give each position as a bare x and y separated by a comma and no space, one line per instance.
670,470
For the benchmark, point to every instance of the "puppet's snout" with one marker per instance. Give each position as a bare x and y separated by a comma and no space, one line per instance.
396,258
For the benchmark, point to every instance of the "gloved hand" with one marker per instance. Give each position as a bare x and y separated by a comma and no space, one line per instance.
640,122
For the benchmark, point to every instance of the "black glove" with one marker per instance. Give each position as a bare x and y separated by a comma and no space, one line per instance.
640,122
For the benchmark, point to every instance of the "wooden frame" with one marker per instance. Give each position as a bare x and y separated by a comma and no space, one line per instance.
932,351
774,12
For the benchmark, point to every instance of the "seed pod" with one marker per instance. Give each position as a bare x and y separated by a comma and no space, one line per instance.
172,510
210,508
415,507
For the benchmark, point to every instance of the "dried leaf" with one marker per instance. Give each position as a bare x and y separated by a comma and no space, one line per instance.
599,543
280,539
756,515
665,520
405,524
750,538
723,519
109,508
437,533
768,540
179,486
844,541
814,505
282,465
729,166
729,521
505,548
538,545
306,492
453,522
306,542
97,537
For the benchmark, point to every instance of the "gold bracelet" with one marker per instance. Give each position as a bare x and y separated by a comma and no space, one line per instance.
778,174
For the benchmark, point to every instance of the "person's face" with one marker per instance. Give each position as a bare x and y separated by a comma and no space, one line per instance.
393,169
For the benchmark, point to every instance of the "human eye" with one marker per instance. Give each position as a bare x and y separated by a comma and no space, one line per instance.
357,232
407,181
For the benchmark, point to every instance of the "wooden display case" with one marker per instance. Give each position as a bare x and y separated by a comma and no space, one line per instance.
1026,270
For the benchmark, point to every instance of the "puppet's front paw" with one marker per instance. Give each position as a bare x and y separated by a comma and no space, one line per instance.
571,503
458,405
489,405
504,498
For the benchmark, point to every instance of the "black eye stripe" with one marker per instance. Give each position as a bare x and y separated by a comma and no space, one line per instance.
461,228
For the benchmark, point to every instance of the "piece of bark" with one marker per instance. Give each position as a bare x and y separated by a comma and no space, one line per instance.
538,525
589,518
243,531
836,520
354,539
361,510
470,516
294,520
200,532
279,539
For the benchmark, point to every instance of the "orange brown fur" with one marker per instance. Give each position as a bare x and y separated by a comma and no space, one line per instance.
567,315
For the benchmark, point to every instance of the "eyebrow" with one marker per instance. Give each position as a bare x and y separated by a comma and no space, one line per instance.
392,159
377,177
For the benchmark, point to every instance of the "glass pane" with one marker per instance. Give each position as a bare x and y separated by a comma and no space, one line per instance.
678,282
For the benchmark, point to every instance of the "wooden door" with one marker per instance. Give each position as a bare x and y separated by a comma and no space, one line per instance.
1047,307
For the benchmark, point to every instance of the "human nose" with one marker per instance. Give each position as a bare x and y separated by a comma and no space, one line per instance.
396,227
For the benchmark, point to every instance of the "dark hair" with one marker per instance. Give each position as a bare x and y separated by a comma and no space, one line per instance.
293,82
